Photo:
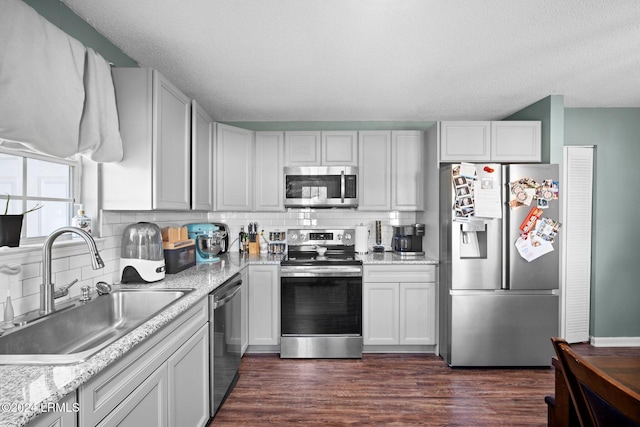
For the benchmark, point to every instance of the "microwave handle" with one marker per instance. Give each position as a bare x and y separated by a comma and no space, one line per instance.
342,187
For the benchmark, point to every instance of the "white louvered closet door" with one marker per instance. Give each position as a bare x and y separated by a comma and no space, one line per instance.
577,229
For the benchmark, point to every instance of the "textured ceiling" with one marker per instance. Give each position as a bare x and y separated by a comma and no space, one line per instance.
397,60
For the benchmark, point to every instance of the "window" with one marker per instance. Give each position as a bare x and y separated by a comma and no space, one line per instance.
31,179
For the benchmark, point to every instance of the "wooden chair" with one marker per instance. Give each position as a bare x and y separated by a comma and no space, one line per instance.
598,399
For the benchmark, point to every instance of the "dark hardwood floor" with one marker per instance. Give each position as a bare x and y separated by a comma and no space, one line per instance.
383,389
386,390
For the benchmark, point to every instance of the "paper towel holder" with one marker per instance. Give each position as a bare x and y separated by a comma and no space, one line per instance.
362,237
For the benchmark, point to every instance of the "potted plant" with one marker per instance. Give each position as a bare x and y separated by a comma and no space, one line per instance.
11,225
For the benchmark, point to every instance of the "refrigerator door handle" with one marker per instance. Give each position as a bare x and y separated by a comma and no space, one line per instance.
505,228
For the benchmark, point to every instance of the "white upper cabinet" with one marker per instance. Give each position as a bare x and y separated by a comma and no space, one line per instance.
484,141
516,141
313,148
234,168
155,172
269,178
340,148
374,160
465,141
201,159
302,148
407,150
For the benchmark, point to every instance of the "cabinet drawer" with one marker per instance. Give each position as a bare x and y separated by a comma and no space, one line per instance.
103,393
399,273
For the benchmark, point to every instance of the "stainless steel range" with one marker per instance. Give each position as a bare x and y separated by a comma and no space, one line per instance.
321,295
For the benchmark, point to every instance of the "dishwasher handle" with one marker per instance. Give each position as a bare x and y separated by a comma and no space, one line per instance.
219,301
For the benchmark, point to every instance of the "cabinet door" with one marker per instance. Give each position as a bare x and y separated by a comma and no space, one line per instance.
234,164
171,146
374,160
516,141
465,141
201,159
417,313
406,170
302,148
188,373
340,148
264,305
269,185
63,418
380,313
146,406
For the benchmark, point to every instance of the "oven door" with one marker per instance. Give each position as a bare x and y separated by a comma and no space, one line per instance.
321,317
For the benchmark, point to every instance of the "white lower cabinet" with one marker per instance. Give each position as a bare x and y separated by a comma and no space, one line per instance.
264,305
188,393
399,305
144,406
162,382
63,416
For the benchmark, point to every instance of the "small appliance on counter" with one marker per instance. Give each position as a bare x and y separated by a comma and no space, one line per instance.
209,240
141,254
407,239
224,247
179,250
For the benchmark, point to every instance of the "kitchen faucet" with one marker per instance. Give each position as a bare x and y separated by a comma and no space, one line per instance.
47,288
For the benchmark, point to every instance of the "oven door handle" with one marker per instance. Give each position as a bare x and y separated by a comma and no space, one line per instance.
307,271
228,297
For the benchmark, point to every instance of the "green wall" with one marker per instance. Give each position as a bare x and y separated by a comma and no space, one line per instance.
615,292
61,16
298,126
550,111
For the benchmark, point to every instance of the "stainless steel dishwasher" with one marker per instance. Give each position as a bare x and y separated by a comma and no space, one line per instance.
225,340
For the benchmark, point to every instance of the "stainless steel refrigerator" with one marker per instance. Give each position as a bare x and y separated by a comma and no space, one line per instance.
500,264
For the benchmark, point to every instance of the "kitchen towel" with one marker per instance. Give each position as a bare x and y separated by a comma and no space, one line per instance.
41,86
99,137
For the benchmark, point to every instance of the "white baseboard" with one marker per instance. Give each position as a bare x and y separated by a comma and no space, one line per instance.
615,341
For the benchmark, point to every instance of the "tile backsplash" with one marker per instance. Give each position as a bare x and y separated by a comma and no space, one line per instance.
72,262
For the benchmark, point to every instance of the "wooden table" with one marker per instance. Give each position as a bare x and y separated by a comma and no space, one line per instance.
624,369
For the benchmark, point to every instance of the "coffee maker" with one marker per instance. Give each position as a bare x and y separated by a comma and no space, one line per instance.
407,239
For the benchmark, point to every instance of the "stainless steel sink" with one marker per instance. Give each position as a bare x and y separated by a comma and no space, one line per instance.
76,333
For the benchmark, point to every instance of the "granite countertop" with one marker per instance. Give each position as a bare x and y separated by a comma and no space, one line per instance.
393,258
25,389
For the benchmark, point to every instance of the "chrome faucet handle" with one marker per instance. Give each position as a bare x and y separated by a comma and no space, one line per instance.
64,290
85,293
103,288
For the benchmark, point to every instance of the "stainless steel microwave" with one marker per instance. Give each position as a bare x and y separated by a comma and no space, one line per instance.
321,186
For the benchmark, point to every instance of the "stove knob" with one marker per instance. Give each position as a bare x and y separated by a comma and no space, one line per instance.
303,237
347,237
293,237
